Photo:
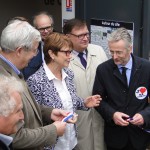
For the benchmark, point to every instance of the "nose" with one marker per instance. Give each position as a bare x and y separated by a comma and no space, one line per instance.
21,115
70,56
85,37
115,56
45,30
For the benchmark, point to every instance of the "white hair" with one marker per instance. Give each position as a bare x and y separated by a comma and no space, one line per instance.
8,85
19,34
120,34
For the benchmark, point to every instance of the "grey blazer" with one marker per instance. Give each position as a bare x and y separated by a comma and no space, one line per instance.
33,136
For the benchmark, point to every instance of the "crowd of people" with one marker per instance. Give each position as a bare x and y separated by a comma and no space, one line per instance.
46,75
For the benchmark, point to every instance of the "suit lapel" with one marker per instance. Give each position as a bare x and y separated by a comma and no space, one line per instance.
76,61
32,101
135,74
30,98
90,54
118,75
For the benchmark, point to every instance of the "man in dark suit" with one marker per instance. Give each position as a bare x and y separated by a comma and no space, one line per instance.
44,23
124,105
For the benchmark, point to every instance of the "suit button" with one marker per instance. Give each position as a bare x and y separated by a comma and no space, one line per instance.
124,91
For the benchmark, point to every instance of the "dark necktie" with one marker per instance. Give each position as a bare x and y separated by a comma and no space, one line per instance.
124,75
83,61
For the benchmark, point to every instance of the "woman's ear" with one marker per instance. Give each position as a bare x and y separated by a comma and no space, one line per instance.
51,54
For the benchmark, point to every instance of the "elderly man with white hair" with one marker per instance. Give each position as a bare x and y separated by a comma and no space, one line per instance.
11,114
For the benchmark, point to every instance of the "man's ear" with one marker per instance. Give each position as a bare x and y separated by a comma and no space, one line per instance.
131,49
19,51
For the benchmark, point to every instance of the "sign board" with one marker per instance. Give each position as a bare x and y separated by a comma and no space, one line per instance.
100,29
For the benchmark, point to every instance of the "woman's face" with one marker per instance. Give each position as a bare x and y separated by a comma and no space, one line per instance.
62,59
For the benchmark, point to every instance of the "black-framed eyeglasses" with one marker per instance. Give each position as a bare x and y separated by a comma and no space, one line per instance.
34,51
81,36
66,52
48,28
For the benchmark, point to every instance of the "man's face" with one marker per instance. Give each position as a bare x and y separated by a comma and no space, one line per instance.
120,53
25,56
16,117
44,25
80,38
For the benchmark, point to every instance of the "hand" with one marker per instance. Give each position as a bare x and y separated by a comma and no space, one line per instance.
121,119
92,101
58,114
137,120
60,126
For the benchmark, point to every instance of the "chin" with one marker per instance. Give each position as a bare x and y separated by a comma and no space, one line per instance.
117,63
85,46
14,130
66,66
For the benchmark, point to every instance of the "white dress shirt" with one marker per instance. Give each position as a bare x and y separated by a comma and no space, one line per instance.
68,141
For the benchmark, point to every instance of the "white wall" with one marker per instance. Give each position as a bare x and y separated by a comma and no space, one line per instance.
68,10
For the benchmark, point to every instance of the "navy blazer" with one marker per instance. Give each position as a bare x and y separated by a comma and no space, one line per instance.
46,93
116,97
3,146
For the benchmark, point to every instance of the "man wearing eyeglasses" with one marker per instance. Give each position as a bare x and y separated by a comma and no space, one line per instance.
44,23
123,82
85,59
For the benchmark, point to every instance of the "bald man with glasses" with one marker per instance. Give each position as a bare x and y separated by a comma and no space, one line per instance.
44,23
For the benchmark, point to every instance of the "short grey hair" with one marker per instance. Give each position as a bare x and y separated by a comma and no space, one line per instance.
120,34
40,14
8,85
19,34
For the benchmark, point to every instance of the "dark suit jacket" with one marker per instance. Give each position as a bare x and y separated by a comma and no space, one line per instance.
3,146
33,136
116,97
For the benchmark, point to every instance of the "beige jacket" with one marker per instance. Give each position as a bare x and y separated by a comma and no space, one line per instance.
33,136
90,124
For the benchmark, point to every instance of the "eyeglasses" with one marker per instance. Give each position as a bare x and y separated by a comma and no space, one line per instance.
66,52
48,28
118,53
34,51
81,36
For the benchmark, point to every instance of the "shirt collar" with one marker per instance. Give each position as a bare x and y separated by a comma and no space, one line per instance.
6,139
76,53
50,75
10,64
